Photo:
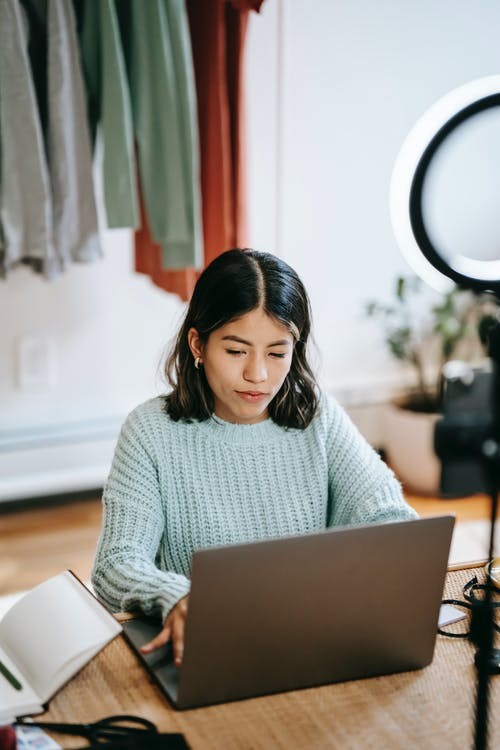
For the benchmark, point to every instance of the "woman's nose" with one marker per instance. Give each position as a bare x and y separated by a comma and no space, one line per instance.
255,370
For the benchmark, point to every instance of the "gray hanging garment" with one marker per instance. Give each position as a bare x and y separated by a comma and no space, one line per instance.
26,234
70,157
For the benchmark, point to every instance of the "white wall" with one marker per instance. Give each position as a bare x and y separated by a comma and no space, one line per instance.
356,75
333,87
108,329
108,326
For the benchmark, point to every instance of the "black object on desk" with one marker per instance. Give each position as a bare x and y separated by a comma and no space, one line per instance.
122,732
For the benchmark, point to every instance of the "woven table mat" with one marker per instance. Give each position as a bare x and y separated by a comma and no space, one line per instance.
428,708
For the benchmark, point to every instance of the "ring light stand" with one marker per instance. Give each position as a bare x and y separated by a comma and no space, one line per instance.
406,203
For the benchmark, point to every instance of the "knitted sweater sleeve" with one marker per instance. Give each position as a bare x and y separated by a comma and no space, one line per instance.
362,488
125,576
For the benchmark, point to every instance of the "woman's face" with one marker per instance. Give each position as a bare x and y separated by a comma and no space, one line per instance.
245,363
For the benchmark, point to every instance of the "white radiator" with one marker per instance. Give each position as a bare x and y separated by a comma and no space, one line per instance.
56,459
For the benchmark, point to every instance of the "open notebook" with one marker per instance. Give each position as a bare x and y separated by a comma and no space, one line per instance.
46,637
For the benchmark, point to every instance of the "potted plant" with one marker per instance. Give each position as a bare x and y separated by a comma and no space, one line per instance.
426,330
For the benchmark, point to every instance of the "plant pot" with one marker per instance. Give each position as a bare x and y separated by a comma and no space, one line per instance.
408,442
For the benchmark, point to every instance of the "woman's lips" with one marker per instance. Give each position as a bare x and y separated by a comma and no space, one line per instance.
252,397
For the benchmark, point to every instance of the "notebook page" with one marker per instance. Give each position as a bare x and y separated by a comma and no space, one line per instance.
50,626
16,702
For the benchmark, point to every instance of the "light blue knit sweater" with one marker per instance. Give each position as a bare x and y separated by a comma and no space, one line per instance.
176,487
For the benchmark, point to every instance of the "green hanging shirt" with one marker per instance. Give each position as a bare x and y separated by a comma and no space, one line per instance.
108,100
160,71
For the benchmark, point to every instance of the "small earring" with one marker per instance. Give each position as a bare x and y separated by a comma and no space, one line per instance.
197,363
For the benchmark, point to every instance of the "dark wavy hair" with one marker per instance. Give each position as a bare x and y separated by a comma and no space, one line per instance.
235,283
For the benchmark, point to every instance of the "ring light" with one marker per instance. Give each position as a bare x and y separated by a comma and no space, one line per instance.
465,106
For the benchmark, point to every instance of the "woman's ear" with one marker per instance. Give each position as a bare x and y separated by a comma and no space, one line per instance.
195,343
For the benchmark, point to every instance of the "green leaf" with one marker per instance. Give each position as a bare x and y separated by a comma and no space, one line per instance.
400,288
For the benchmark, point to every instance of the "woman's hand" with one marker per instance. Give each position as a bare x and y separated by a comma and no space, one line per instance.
173,629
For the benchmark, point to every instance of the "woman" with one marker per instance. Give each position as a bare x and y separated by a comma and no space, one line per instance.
243,448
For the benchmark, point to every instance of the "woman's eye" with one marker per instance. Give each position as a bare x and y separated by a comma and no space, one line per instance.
277,355
234,351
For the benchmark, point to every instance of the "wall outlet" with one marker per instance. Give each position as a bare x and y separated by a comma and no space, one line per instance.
35,363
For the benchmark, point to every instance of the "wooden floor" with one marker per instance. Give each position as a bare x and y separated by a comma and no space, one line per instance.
38,542
473,508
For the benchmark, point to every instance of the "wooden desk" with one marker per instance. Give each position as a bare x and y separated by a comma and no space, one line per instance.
429,708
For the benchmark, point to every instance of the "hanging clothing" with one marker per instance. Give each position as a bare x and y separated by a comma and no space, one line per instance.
237,14
218,34
148,260
187,112
157,49
108,102
70,157
26,215
48,211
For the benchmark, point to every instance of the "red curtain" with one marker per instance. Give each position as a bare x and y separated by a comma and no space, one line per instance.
218,33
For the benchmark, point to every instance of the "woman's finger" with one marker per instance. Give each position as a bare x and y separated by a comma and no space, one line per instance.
178,638
160,640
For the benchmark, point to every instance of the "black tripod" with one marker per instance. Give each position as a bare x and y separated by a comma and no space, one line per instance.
460,436
488,658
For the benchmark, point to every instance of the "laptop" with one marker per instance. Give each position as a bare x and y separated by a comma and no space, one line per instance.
301,611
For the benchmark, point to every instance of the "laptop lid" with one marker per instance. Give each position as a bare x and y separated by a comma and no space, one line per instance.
277,615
